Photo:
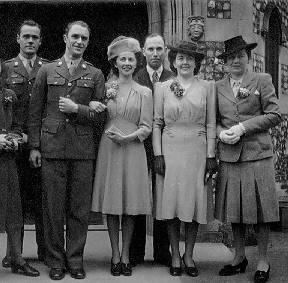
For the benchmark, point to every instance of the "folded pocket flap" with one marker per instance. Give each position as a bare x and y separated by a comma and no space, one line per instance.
55,81
82,130
85,83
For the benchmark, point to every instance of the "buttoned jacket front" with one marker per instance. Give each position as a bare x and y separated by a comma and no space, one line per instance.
21,83
258,112
62,135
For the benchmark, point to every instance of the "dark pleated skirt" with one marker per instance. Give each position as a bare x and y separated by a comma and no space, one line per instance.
246,192
10,200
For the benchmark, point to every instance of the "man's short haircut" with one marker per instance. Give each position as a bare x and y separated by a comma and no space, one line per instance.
31,23
80,23
153,34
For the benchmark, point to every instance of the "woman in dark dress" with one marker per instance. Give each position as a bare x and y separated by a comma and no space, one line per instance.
10,201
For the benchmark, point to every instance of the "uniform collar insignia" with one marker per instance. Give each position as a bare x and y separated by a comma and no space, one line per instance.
84,66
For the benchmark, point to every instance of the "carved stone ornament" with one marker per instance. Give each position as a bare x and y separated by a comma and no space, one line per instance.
195,27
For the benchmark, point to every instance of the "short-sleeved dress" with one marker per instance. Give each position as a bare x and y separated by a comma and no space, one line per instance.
188,126
121,184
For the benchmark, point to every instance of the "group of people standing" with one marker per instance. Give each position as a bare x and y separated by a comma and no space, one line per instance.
154,133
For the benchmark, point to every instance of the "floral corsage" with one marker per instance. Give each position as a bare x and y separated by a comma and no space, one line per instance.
112,90
177,89
243,93
7,99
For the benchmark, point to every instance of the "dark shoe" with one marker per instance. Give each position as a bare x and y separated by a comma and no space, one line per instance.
25,269
229,269
175,271
261,276
163,260
57,273
136,260
126,269
77,273
115,268
191,270
6,262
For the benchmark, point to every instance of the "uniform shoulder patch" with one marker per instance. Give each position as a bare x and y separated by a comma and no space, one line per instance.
9,60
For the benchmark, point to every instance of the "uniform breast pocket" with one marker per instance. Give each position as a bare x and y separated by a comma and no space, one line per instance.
56,87
16,84
85,90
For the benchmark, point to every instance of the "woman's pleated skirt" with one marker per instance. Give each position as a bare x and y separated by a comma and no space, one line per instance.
246,192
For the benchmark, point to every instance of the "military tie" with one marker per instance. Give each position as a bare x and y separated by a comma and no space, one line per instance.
155,77
29,66
72,68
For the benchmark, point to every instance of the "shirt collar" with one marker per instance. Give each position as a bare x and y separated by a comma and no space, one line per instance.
151,71
70,61
232,81
25,60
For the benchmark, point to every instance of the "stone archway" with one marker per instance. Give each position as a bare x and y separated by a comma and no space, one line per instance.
273,35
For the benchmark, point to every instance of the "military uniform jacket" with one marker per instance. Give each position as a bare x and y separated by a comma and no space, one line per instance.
21,83
61,135
258,112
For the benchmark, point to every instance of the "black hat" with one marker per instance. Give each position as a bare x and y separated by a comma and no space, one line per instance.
190,48
235,44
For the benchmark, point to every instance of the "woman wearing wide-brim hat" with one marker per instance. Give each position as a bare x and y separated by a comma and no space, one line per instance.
245,191
184,133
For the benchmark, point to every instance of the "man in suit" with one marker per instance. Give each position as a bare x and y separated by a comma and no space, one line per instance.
21,74
62,131
245,192
154,51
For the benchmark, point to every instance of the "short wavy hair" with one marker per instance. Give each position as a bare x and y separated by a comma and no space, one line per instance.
172,57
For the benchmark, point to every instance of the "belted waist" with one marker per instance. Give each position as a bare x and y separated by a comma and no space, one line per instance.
185,125
125,126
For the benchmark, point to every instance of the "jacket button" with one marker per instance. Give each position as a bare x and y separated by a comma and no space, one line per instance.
67,95
67,120
69,84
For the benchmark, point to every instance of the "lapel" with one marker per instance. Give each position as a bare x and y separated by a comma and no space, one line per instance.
248,79
19,68
81,71
62,68
146,79
165,75
225,89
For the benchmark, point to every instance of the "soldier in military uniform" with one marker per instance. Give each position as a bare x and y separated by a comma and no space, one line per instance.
63,132
21,73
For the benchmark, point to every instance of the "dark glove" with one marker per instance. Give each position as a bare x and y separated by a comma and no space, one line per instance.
159,165
211,165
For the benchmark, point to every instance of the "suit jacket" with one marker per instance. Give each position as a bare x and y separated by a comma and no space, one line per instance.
143,78
21,83
61,135
258,112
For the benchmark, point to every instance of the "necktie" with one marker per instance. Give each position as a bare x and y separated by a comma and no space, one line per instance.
29,66
155,77
235,87
72,68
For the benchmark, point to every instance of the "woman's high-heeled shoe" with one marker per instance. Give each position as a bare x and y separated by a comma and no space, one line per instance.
190,270
175,271
126,269
261,276
115,268
229,269
24,269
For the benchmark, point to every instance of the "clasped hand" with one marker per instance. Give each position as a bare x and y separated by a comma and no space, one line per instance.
66,105
232,135
116,137
4,143
97,106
